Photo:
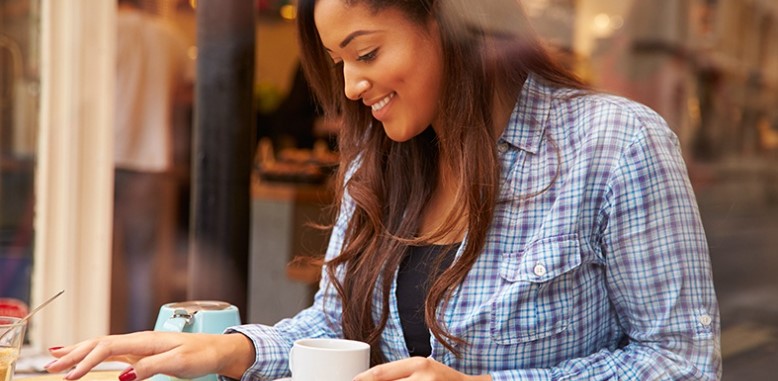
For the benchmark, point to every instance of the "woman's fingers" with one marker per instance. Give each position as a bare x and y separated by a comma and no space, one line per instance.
103,350
148,353
171,362
396,370
84,356
67,357
192,360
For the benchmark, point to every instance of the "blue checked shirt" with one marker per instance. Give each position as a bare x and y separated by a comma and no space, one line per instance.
596,266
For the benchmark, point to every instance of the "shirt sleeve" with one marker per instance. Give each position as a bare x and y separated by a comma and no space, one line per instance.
322,319
659,278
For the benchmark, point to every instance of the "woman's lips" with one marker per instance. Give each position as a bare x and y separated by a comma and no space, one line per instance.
383,102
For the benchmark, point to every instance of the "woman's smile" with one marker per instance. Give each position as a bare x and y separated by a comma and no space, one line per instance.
380,108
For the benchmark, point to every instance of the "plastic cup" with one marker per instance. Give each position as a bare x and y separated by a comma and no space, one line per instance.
11,338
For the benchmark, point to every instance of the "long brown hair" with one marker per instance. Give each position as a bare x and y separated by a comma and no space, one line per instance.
487,51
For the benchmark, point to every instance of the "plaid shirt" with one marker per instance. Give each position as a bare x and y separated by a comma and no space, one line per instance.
596,265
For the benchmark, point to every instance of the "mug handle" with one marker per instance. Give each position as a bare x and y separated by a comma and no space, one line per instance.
177,322
291,360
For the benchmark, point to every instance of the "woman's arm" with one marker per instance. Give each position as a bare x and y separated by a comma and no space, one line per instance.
240,352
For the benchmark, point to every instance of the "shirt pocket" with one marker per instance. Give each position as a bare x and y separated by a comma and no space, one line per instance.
537,298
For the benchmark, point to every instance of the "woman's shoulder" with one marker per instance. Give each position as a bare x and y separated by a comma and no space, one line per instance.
594,115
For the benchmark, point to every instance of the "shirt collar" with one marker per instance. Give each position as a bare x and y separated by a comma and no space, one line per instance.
530,115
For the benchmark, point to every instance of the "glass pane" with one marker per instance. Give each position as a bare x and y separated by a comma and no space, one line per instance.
156,54
710,68
19,102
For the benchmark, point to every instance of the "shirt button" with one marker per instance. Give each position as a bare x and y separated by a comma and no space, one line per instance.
539,269
502,147
705,320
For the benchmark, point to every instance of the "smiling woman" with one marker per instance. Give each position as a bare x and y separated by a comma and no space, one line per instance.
490,205
389,63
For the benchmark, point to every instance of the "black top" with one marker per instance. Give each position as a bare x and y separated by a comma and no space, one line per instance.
414,278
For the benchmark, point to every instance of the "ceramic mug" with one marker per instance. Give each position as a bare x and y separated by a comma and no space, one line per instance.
199,316
328,359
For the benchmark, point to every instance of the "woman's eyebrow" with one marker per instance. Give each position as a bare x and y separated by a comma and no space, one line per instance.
351,37
354,35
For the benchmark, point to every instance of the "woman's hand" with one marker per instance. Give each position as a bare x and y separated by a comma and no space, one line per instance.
182,355
416,368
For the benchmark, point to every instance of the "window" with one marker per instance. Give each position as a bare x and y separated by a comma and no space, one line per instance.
19,106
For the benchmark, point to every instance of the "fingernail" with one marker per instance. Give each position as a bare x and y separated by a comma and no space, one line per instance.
49,364
55,348
128,375
69,376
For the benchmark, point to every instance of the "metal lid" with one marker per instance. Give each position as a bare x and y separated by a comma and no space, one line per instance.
193,306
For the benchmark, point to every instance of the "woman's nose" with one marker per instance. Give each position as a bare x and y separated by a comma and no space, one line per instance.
356,85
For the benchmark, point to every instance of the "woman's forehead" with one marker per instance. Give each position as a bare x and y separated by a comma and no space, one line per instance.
337,15
354,8
335,20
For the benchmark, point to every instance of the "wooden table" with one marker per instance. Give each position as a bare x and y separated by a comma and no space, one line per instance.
91,376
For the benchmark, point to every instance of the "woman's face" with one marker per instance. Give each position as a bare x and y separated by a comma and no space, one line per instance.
390,64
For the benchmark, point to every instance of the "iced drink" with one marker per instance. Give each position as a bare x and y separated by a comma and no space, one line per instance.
11,339
8,358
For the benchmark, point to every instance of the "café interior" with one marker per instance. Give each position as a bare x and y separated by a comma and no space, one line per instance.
253,160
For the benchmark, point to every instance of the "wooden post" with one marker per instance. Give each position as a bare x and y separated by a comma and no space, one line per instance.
222,152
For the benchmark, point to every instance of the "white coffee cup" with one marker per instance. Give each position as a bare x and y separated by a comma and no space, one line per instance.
328,359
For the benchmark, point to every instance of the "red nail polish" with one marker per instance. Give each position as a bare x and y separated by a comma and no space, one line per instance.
128,375
55,348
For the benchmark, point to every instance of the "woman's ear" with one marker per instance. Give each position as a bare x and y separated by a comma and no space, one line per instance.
432,27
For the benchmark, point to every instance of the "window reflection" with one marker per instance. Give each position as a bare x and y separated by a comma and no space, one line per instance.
155,72
19,102
710,68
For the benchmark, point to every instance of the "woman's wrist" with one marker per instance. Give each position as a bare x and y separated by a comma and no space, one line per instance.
238,355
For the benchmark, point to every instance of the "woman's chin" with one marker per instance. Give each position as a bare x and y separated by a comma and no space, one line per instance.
401,134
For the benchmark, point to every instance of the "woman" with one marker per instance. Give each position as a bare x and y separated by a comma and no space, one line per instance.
556,226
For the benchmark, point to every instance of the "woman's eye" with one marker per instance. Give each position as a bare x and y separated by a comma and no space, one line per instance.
368,56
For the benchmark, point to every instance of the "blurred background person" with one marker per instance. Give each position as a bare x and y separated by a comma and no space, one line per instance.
298,121
154,76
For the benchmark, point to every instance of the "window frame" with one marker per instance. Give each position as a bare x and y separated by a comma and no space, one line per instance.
74,177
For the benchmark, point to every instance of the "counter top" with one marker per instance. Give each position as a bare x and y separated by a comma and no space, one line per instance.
319,193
